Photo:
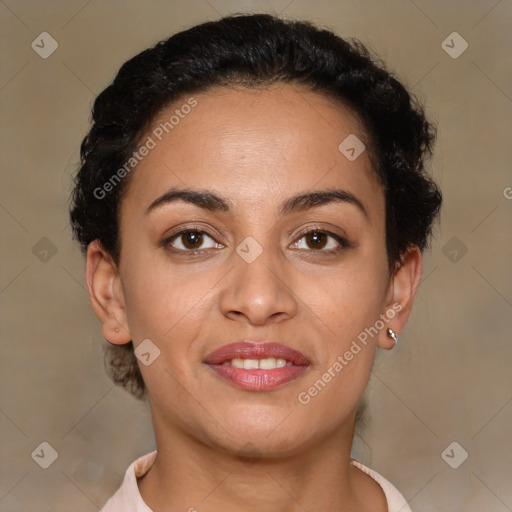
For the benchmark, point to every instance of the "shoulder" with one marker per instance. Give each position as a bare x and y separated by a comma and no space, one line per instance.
395,501
127,497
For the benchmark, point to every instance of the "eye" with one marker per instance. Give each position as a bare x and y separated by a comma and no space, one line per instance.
318,240
191,240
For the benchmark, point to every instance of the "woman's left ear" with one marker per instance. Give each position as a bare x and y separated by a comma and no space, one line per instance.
401,293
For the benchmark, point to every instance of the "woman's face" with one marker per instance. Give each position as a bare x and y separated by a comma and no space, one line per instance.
253,273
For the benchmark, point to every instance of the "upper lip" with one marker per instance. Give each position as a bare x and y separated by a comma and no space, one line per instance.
256,350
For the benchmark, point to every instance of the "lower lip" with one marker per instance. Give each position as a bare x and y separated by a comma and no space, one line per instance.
257,380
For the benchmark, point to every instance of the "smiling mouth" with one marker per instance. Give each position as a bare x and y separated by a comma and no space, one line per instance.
257,378
269,363
257,366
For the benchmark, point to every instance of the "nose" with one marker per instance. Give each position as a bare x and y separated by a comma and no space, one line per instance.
258,293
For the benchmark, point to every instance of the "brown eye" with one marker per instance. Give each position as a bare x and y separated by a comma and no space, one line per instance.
191,240
316,239
322,241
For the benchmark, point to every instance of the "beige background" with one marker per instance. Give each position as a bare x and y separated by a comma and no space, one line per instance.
448,380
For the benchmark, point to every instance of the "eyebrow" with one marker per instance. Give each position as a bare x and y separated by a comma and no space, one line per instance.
214,202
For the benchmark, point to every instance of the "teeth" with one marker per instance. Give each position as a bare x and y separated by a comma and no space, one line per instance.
251,364
270,363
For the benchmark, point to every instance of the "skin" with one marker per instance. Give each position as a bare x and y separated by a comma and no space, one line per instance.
256,148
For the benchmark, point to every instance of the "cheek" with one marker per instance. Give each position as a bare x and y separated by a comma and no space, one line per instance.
163,301
344,308
347,300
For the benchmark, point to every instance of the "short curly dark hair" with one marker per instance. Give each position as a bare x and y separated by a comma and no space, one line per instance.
256,50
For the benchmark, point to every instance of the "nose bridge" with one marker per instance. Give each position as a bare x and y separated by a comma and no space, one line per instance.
256,289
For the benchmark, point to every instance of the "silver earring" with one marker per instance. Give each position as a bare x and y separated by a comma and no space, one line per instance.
392,334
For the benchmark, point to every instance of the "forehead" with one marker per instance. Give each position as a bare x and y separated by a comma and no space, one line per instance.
257,146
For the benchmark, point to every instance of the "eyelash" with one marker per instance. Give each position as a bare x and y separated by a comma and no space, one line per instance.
342,241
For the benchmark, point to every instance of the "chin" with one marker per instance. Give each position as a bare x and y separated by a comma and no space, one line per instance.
269,436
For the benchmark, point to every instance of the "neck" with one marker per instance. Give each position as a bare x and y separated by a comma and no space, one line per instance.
189,475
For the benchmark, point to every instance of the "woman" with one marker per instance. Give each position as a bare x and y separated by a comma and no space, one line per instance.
253,205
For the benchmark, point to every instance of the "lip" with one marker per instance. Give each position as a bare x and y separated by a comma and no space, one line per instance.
253,350
257,379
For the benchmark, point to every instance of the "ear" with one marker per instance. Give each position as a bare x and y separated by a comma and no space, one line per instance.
106,294
402,290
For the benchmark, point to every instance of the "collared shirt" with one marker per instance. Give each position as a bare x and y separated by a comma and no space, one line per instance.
128,498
